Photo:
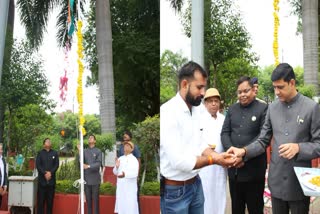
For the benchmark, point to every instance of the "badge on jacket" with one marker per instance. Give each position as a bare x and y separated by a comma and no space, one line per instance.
253,118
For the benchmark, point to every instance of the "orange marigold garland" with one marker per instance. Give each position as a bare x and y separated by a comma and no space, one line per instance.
275,33
79,81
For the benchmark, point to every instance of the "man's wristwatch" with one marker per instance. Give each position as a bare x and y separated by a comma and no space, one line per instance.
88,166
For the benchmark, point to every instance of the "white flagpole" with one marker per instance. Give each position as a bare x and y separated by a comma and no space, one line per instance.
81,149
81,173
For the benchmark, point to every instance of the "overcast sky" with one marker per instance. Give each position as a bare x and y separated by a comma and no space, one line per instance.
54,66
258,19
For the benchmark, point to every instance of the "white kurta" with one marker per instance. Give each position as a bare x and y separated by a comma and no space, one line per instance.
213,177
126,196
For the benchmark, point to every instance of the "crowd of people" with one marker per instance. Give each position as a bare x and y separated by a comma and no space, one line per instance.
198,145
126,169
203,149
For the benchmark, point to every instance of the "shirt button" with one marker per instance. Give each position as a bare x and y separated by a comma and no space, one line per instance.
286,133
240,126
239,135
287,121
242,117
285,178
289,106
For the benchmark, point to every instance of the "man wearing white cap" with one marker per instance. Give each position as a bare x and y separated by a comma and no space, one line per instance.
126,169
213,177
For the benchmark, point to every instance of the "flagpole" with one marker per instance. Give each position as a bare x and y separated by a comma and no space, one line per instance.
81,144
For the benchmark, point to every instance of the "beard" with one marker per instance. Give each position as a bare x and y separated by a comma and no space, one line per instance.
194,101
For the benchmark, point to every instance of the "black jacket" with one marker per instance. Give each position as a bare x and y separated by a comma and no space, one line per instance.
241,127
47,161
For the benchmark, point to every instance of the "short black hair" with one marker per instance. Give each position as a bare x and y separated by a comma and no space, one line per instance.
283,71
244,79
127,132
92,136
44,141
188,69
254,80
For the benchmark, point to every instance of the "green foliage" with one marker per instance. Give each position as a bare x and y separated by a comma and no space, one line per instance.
170,64
150,188
56,142
229,73
146,135
66,186
107,189
23,80
307,90
135,64
105,141
225,36
68,122
15,169
28,123
68,170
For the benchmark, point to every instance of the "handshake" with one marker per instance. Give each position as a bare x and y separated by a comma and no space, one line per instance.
230,158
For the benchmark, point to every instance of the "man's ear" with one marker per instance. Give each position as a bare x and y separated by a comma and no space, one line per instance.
293,82
184,84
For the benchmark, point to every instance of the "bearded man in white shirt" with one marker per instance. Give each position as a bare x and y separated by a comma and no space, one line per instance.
214,178
182,148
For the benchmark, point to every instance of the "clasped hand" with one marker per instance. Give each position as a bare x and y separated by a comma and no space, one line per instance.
238,153
224,159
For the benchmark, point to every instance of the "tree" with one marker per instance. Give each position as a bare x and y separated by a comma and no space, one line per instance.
135,34
170,64
228,75
310,28
146,135
106,79
23,82
28,122
225,36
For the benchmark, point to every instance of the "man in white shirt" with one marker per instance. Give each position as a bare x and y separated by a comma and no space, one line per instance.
182,150
214,178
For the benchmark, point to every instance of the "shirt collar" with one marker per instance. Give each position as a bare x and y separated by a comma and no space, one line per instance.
182,104
294,99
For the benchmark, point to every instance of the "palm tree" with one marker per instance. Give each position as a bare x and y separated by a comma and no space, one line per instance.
310,19
106,80
34,16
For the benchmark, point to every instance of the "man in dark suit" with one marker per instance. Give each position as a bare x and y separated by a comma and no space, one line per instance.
47,163
242,125
3,175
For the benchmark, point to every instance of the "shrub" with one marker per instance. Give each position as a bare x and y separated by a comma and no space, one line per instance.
150,188
15,169
66,186
107,189
68,171
146,135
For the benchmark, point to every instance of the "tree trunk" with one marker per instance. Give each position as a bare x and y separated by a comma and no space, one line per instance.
106,82
214,73
310,42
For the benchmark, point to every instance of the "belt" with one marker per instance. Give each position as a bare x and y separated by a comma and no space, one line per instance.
180,183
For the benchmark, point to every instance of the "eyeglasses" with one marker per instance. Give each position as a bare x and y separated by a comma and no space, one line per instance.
243,91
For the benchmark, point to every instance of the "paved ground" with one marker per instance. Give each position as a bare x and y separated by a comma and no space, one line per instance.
314,206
